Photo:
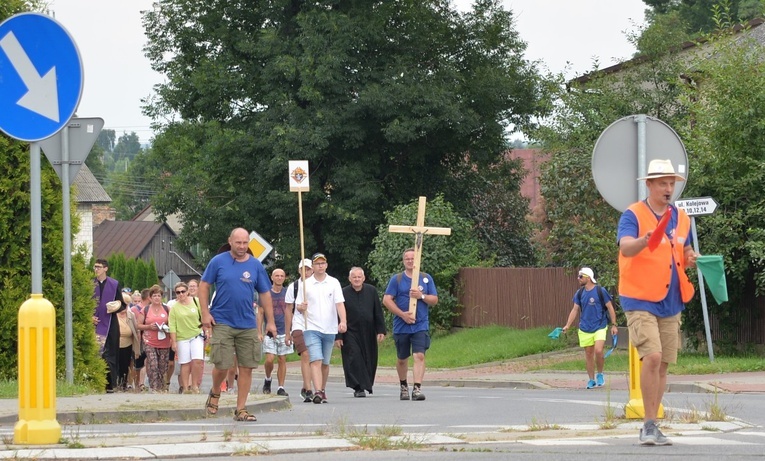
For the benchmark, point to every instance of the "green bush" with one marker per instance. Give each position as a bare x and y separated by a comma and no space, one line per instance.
15,268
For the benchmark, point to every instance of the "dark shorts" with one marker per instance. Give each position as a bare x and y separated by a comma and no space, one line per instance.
139,362
415,342
298,341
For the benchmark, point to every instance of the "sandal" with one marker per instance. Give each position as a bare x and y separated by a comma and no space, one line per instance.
212,408
244,415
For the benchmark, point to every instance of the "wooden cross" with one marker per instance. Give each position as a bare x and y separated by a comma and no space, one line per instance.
419,230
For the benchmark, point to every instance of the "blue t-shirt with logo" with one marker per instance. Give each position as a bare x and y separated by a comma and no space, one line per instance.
593,315
400,292
235,286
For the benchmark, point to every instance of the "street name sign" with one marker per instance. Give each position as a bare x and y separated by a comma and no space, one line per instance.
41,75
698,206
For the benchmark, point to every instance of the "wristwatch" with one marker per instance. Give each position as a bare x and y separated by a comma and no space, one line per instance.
422,297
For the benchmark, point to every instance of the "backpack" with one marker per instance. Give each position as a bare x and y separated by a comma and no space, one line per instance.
600,297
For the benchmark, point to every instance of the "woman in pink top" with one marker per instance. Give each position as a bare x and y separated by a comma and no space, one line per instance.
153,322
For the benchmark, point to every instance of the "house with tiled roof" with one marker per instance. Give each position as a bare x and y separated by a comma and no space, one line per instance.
93,207
145,240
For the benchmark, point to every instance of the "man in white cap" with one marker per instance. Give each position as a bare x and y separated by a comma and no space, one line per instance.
653,285
593,305
298,325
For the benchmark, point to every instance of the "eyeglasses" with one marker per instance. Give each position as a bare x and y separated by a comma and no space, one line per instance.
98,266
180,292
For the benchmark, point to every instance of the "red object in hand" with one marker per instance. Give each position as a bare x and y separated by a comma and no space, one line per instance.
658,233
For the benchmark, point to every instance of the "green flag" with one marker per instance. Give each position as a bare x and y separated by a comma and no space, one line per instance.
713,270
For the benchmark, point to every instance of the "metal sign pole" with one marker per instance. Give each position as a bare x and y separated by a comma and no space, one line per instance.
35,184
703,293
65,195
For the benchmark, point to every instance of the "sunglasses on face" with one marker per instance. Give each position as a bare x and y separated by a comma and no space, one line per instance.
180,292
581,276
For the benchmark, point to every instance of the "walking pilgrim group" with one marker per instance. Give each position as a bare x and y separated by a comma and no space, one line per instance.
249,315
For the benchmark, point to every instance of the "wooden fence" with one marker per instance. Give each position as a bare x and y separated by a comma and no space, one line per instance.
535,297
516,297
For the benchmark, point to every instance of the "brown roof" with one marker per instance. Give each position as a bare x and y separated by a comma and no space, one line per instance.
88,189
128,237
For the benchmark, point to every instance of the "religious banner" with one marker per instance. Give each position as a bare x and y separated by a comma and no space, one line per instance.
298,173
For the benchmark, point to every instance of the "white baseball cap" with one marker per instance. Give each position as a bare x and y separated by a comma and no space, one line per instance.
589,273
304,263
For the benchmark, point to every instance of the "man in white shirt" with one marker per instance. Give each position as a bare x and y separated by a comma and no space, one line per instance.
297,327
322,303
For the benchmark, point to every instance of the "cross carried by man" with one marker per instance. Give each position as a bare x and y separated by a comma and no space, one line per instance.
419,230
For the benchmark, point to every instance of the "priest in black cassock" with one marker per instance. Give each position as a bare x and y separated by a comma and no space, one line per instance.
366,328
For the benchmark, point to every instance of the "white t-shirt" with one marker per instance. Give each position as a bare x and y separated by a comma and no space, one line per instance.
298,321
323,298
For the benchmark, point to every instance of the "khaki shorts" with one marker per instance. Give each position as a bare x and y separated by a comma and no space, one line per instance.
227,342
650,334
298,342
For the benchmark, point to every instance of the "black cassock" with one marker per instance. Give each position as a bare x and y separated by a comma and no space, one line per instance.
365,320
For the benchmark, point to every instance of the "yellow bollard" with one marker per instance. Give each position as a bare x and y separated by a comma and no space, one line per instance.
37,374
634,408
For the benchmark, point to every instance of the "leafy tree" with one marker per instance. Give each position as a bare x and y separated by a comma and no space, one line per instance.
442,256
152,276
697,16
382,98
131,191
15,272
106,140
727,103
128,146
498,209
580,226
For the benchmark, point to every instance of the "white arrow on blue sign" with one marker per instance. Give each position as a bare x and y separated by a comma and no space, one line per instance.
698,206
41,77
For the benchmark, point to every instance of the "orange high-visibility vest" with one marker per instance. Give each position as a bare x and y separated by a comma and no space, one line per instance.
646,276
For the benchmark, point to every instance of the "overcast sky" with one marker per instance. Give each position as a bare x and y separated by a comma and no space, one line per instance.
110,38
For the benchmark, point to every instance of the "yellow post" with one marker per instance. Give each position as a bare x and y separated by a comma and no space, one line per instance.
37,374
634,408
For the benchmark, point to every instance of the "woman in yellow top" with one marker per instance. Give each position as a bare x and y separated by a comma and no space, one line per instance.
186,336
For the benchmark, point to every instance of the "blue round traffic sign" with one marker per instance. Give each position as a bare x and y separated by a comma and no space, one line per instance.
41,77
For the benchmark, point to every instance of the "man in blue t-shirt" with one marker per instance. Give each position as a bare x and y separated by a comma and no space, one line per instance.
410,333
230,321
280,345
593,323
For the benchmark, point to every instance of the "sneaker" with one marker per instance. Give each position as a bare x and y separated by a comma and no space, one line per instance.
319,397
308,396
282,392
600,380
417,394
404,392
651,435
359,393
591,384
267,386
